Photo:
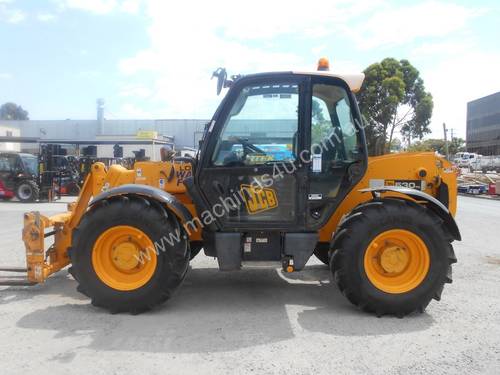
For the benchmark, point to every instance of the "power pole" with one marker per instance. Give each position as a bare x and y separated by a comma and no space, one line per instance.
452,137
446,141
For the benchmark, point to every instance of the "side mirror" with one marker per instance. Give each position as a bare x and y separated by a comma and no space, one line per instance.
221,75
222,81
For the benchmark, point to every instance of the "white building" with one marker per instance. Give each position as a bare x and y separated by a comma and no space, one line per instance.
9,131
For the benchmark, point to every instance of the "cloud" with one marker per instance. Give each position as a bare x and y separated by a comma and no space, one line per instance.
456,80
391,26
93,6
131,6
186,46
91,74
132,91
45,17
130,110
442,48
101,7
5,76
9,14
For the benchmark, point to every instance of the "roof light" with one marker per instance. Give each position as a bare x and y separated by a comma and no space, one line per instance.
323,64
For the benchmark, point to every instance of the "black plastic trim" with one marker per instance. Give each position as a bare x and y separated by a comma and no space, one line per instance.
443,194
300,246
432,203
159,195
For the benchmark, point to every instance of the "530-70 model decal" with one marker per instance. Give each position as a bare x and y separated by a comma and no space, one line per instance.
412,184
258,199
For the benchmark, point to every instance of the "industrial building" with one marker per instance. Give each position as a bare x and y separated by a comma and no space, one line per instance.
183,133
483,125
186,133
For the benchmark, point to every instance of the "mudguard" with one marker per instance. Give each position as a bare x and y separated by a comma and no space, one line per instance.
170,201
432,203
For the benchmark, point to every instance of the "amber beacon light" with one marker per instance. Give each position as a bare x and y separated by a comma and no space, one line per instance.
323,64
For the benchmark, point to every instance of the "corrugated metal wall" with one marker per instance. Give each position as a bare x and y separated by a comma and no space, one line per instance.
186,132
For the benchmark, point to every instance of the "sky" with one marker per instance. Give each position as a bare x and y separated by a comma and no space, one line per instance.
154,58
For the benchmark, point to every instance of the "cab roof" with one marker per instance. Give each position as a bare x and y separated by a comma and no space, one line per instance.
353,80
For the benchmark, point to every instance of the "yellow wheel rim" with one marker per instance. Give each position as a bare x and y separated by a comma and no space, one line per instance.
396,261
123,258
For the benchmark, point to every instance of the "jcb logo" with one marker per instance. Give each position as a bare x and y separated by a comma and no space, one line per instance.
258,199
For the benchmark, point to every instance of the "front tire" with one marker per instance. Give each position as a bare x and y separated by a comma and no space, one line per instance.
27,191
195,248
392,256
124,256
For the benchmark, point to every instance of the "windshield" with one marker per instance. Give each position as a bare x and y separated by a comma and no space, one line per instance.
30,164
262,126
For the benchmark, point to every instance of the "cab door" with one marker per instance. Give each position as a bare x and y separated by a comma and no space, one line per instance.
337,147
251,176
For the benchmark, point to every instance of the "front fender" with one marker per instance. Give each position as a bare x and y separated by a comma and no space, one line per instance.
167,199
432,203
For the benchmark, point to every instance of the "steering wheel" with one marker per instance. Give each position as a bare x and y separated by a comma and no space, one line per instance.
249,146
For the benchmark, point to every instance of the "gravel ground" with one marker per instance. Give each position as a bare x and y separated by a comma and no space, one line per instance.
256,321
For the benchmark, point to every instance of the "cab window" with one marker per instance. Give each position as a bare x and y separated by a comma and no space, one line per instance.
8,163
333,133
4,164
334,139
261,128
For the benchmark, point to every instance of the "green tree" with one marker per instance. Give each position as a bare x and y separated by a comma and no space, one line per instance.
456,145
12,111
393,97
320,127
428,145
396,145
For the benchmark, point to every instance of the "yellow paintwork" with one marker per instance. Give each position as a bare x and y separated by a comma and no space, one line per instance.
41,263
396,261
124,258
404,166
169,176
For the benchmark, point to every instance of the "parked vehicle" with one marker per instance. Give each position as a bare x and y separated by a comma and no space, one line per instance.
466,159
474,189
486,164
20,176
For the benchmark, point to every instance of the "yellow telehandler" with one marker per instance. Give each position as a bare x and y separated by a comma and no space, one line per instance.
282,173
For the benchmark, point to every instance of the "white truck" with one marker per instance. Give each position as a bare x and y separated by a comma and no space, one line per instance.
466,159
486,164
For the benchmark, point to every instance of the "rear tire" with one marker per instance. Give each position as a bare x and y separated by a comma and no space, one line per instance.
27,191
355,238
152,220
74,189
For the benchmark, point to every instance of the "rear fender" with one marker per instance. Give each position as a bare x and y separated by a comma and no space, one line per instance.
432,203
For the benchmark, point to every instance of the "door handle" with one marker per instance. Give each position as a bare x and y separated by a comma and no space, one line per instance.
218,187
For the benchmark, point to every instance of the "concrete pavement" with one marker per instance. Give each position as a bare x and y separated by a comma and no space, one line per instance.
256,321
